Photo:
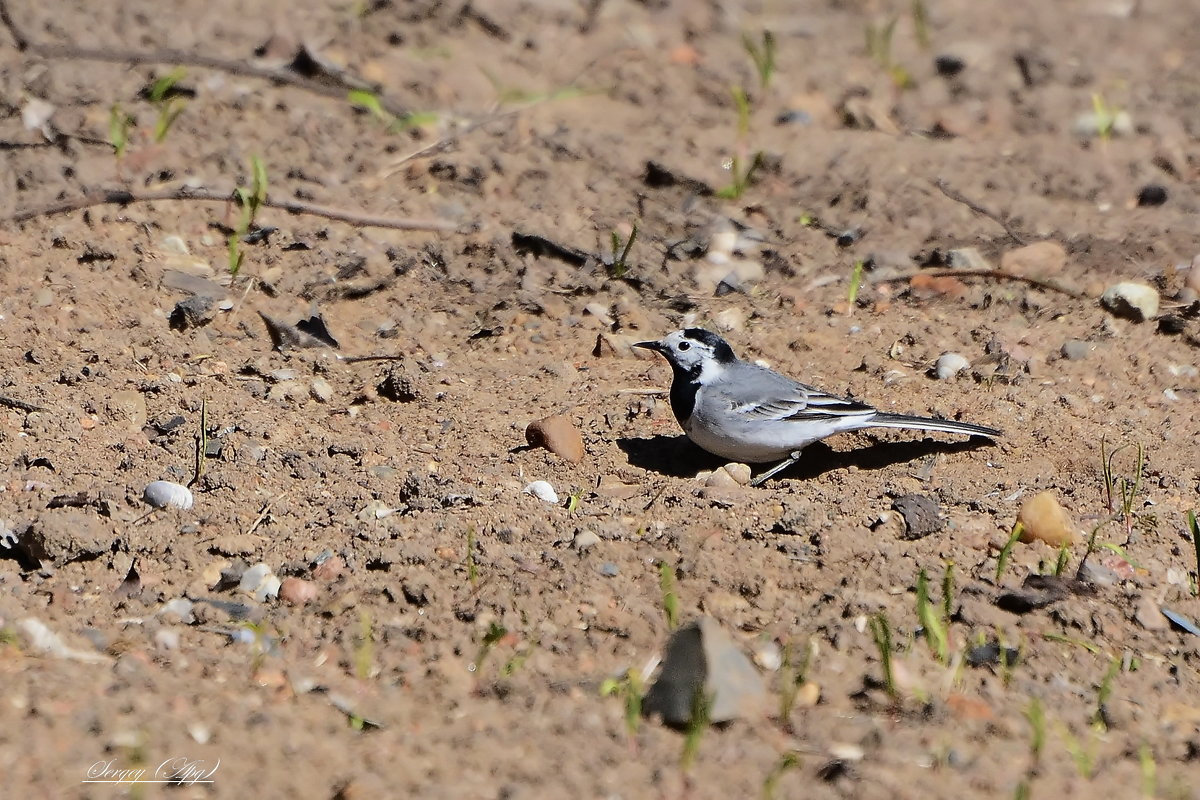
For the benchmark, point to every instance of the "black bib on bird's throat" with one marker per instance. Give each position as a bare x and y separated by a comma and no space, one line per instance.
684,387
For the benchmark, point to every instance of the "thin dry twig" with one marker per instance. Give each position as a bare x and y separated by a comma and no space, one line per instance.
123,197
362,359
983,273
958,197
266,511
332,88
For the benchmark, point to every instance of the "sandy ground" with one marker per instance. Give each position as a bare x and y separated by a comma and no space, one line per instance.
448,634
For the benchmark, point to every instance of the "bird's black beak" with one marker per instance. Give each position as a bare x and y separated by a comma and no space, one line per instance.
655,346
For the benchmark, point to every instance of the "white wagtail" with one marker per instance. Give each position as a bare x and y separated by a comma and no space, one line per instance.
741,411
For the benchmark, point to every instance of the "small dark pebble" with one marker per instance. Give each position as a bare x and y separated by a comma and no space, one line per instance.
920,513
794,117
986,655
949,66
193,312
164,426
850,236
834,769
1039,591
397,385
1172,323
1152,194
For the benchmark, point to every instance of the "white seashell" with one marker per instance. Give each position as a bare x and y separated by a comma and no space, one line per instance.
542,490
161,494
950,364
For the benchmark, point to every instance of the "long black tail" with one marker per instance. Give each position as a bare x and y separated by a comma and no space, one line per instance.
931,424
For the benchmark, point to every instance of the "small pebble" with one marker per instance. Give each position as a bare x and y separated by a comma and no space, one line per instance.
329,570
1136,301
585,540
948,66
268,588
730,320
297,591
161,494
701,656
768,655
557,434
967,258
950,364
721,479
253,576
1094,123
1148,615
739,472
1037,260
1076,349
543,491
1152,194
321,390
1045,520
609,569
168,639
180,607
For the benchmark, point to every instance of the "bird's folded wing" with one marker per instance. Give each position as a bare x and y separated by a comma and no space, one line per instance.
801,406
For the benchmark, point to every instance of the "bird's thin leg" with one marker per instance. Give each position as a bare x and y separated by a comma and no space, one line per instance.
782,465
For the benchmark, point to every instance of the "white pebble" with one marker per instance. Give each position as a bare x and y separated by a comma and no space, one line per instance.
160,494
254,577
585,540
269,588
321,390
166,639
542,490
181,607
1137,301
950,364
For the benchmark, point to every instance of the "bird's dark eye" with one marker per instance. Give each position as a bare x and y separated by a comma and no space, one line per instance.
684,346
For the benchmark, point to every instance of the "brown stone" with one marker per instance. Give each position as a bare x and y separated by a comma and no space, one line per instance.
297,591
557,434
1045,520
1037,260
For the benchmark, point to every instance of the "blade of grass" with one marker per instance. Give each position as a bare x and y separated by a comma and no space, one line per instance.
670,600
1006,551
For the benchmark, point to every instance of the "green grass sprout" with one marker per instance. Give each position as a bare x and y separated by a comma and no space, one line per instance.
787,761
932,623
119,123
881,632
250,200
700,721
620,252
170,103
856,280
763,55
1006,551
670,598
629,688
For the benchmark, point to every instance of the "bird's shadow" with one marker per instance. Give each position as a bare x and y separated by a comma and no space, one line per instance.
678,457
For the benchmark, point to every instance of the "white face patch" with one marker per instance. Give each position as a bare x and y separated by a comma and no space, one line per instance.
711,370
